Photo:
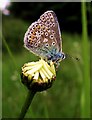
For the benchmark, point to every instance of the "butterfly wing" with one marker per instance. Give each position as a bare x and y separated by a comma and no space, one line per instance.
43,37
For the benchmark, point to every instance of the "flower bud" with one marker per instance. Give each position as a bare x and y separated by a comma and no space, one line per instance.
38,75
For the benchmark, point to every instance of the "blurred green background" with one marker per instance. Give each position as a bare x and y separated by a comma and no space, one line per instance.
63,99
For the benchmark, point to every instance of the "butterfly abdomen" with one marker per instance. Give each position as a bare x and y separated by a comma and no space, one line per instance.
55,57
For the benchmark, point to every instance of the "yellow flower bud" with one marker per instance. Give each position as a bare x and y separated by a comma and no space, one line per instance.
38,75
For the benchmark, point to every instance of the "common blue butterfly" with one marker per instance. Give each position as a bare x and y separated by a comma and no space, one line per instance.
43,38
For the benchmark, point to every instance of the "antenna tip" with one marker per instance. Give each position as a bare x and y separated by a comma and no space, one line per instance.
77,59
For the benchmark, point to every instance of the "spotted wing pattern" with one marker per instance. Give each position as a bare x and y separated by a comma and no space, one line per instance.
43,37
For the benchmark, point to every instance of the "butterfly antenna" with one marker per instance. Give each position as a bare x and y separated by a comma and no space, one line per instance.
69,56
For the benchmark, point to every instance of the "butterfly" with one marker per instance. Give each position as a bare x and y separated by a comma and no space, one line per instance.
43,38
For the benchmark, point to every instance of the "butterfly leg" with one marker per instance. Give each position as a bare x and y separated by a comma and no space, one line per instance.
57,65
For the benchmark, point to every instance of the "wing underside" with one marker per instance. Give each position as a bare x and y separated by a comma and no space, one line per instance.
43,37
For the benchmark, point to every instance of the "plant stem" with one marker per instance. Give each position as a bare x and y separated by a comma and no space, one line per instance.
27,104
9,52
85,96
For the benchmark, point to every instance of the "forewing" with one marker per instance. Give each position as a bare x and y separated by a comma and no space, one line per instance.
44,35
50,20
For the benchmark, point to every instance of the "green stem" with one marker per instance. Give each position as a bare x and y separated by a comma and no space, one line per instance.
27,104
9,52
85,96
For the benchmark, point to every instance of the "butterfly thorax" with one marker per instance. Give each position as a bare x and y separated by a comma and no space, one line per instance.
57,57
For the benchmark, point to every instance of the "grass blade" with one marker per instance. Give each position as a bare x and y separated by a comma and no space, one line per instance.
85,96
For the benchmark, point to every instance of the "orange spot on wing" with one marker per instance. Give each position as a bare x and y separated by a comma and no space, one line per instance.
38,26
32,36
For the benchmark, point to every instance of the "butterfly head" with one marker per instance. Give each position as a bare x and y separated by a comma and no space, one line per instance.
63,56
57,57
